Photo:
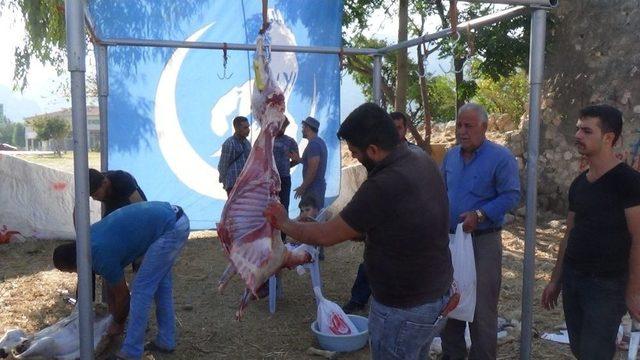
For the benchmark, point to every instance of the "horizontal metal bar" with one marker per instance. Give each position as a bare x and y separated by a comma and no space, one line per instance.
234,46
545,3
471,24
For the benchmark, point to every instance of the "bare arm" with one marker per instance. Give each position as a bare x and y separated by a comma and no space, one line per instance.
118,300
330,233
135,197
295,158
552,290
633,285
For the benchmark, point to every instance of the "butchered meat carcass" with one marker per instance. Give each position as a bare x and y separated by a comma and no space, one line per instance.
253,246
59,341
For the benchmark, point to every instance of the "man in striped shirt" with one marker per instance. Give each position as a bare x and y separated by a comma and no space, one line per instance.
235,152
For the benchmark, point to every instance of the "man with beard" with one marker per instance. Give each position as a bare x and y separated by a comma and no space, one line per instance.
361,291
314,163
598,264
402,210
482,183
401,122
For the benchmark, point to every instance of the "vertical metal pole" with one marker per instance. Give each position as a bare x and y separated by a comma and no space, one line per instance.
377,79
536,68
74,16
103,95
102,74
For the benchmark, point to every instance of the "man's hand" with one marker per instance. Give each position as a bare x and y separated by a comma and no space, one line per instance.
550,295
299,191
469,221
115,329
633,302
276,214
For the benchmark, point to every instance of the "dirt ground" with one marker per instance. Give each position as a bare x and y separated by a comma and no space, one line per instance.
32,297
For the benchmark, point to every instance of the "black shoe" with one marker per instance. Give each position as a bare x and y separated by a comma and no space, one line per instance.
352,306
151,346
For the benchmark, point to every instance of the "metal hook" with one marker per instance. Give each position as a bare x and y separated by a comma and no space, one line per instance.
225,58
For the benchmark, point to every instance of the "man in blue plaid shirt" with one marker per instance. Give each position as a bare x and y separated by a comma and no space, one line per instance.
235,152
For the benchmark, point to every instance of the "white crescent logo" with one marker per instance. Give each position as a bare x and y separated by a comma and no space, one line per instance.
181,157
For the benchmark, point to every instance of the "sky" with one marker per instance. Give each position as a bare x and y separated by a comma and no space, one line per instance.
43,91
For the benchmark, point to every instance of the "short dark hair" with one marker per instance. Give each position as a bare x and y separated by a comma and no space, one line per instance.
369,124
308,200
238,120
610,118
397,115
95,180
64,257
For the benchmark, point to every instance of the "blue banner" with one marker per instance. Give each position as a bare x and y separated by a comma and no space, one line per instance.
170,110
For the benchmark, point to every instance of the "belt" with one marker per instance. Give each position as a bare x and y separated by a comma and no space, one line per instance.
178,210
482,231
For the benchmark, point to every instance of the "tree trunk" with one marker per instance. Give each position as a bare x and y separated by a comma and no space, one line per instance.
426,108
458,65
402,78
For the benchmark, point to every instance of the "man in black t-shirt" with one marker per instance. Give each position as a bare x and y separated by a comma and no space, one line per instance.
114,189
402,209
598,265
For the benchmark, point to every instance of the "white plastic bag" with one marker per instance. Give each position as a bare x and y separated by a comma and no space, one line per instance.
331,318
464,274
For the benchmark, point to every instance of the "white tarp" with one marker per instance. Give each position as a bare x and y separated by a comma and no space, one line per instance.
350,180
37,201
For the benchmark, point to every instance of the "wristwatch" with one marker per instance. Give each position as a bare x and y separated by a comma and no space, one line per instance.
480,215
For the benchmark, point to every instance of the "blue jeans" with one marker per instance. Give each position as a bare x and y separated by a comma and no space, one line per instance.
593,308
397,333
153,282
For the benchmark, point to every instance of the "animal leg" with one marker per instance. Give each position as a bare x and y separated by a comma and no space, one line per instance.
226,276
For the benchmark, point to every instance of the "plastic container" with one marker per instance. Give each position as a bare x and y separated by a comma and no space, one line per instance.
344,343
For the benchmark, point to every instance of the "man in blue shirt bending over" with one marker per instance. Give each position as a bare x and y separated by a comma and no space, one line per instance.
155,230
482,183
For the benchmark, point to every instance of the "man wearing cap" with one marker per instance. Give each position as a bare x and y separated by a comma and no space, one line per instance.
314,163
114,189
156,230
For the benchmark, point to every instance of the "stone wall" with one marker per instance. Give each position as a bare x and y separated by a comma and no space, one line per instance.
593,58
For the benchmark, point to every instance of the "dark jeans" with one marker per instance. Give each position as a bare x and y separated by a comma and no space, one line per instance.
285,191
285,196
360,291
593,308
484,335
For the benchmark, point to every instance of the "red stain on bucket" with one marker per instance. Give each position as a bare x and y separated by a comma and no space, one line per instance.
59,186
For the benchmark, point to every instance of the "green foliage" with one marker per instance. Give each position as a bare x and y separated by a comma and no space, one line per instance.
17,139
442,97
11,133
507,94
44,35
51,128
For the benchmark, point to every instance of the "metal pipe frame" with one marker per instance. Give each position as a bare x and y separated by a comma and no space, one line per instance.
545,3
102,74
471,24
76,64
234,46
536,70
377,79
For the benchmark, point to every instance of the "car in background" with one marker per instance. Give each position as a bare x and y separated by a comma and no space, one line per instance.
5,146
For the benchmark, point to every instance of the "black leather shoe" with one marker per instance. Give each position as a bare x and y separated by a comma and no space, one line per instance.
352,307
151,346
